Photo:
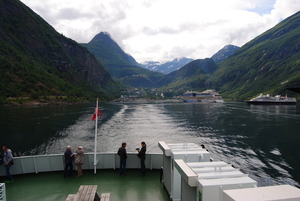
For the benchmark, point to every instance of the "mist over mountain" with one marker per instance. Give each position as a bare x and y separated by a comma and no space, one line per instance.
166,67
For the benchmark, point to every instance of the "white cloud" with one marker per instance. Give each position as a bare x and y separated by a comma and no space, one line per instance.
164,29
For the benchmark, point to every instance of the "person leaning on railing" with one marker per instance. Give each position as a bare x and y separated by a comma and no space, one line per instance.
79,159
69,156
142,156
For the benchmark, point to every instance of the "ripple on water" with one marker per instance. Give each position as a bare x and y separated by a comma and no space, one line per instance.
245,136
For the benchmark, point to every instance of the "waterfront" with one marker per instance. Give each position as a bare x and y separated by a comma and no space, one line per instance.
263,141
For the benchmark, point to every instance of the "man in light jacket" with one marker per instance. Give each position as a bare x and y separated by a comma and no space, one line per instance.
79,159
7,160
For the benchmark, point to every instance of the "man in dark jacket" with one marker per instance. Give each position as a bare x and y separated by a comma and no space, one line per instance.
69,156
142,156
123,156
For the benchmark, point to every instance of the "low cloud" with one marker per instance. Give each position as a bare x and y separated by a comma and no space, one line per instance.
164,29
72,14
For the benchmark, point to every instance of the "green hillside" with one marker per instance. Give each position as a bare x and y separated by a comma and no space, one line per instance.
193,76
35,60
120,65
267,64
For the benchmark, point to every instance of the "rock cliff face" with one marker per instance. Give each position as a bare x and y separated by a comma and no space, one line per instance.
30,47
79,59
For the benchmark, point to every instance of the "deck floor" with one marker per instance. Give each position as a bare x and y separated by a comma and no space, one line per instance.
53,186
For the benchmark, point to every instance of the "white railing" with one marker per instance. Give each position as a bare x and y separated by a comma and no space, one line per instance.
55,162
2,192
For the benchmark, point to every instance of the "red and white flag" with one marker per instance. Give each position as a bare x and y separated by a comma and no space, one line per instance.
97,112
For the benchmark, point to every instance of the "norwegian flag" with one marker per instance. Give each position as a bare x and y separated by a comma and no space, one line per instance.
97,112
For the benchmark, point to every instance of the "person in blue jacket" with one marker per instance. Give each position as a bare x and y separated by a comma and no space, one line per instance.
8,162
69,156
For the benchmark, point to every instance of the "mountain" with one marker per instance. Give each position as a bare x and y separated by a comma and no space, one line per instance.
111,53
35,59
194,75
120,65
225,52
267,64
166,67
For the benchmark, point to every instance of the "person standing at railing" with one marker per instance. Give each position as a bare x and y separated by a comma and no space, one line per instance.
123,157
142,156
8,161
79,159
69,156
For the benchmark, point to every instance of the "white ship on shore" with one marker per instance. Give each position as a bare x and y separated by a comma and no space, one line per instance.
272,100
209,95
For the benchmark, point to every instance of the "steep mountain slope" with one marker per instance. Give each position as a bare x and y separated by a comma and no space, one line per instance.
119,64
195,75
112,55
225,52
267,64
34,58
166,67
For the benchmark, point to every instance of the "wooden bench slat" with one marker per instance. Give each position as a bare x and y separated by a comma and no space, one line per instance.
105,197
81,193
71,197
87,193
93,192
89,196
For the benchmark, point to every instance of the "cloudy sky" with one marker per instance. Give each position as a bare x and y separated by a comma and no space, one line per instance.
161,30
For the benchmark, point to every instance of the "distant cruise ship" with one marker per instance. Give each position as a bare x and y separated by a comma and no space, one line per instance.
272,100
209,95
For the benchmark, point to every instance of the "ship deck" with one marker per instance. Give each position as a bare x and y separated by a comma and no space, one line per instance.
53,186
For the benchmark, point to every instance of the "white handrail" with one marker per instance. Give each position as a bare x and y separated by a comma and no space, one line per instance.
55,162
2,192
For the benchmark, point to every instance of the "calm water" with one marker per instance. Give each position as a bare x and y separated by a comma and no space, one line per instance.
263,141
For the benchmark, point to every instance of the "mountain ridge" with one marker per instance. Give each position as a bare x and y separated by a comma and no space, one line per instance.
223,53
120,65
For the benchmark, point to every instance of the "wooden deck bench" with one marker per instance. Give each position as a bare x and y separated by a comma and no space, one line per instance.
105,197
85,193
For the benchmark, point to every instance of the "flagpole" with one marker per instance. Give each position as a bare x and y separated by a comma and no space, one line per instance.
95,149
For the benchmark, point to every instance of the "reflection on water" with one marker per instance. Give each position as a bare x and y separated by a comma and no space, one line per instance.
263,141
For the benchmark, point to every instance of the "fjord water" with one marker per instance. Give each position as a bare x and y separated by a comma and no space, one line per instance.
263,141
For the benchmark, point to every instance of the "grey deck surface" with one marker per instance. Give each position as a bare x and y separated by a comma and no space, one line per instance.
53,186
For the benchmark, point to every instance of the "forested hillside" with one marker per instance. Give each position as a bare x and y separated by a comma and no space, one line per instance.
267,64
36,61
193,76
